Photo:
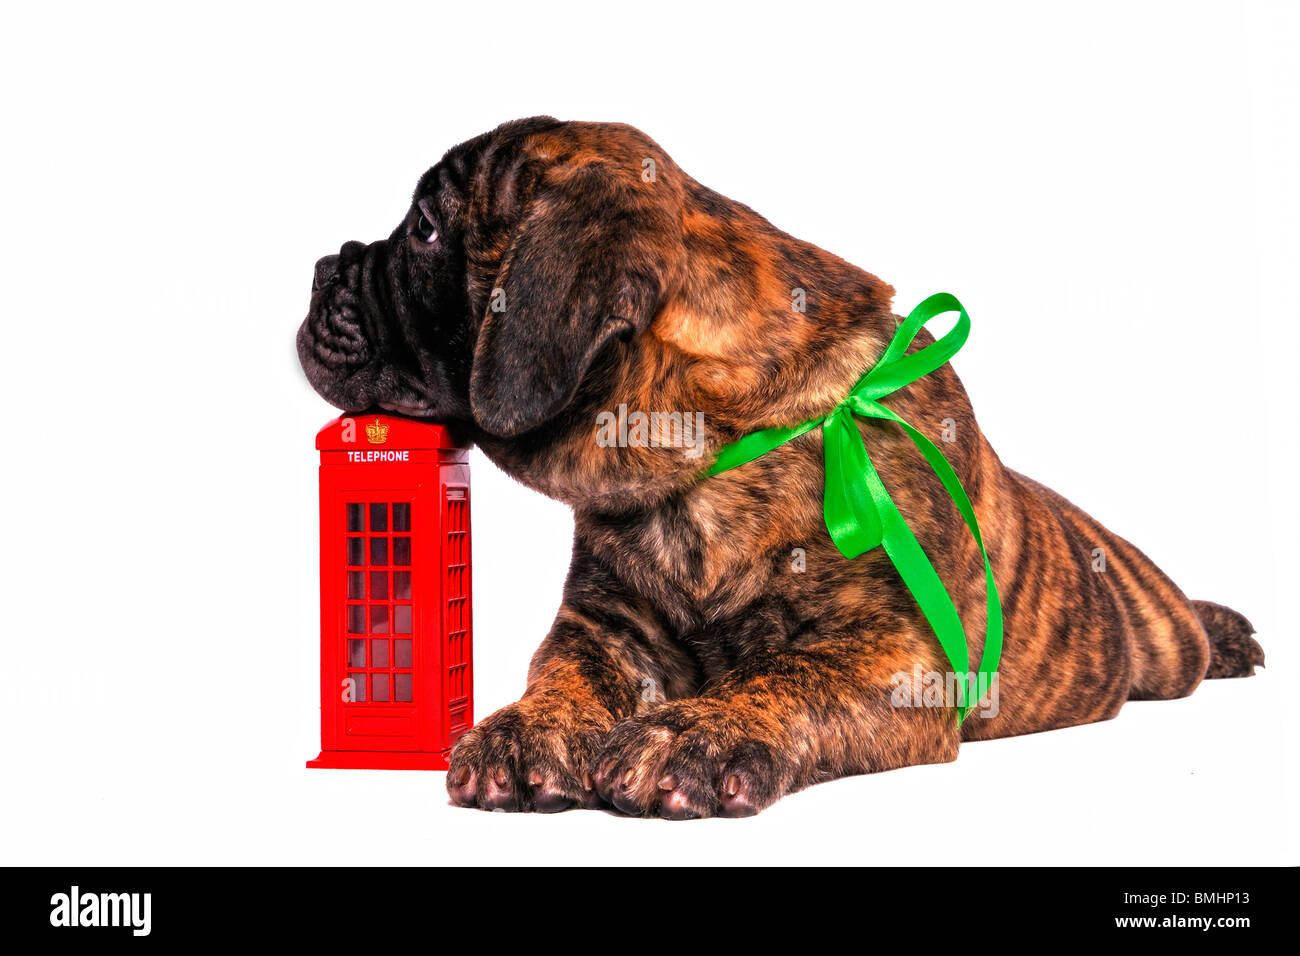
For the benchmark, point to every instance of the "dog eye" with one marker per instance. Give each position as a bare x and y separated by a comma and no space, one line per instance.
426,230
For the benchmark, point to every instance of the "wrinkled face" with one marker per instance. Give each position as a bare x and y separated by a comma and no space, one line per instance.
527,254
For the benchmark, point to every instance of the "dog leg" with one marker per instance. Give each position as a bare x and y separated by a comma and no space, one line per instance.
781,721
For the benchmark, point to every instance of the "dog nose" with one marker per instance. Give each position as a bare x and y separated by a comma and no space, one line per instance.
326,268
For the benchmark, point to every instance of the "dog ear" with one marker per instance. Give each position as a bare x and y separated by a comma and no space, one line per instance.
589,264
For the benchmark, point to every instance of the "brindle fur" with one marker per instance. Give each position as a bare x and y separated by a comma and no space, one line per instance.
690,670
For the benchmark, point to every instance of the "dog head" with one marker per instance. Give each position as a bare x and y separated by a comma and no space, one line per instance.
526,255
547,274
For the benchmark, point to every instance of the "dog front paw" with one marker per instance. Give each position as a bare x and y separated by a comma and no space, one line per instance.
535,754
692,759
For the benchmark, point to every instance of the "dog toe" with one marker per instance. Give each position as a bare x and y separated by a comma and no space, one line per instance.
547,795
499,791
462,786
749,781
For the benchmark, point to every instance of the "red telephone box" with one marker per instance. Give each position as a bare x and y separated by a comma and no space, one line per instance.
396,646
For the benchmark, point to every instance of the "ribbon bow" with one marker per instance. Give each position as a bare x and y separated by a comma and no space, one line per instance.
859,512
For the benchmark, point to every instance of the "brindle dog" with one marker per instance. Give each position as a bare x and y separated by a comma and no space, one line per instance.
548,271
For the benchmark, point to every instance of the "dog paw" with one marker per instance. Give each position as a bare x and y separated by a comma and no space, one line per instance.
535,754
689,761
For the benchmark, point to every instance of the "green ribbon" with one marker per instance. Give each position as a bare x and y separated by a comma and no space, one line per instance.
859,513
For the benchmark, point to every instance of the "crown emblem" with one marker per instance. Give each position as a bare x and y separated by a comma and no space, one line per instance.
376,432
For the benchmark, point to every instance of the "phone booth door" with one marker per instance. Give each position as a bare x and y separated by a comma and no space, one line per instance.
387,660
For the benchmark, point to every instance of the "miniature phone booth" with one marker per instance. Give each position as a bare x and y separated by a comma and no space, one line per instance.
396,640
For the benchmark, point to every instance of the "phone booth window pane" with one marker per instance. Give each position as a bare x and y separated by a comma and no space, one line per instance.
379,687
358,687
402,688
356,653
356,586
402,585
378,516
401,516
379,653
356,619
355,517
402,551
379,619
402,619
401,653
379,585
379,551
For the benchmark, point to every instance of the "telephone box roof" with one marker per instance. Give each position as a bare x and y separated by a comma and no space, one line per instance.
371,430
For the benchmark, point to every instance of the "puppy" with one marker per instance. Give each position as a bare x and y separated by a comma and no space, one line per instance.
713,651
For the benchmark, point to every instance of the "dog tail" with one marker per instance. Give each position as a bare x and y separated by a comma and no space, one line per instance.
1234,652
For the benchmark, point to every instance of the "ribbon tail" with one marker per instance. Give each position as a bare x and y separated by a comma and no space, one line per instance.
993,630
850,512
931,596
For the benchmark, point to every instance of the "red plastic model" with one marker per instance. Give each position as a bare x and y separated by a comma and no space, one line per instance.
396,649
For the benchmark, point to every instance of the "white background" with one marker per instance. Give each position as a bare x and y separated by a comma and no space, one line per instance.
1108,187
